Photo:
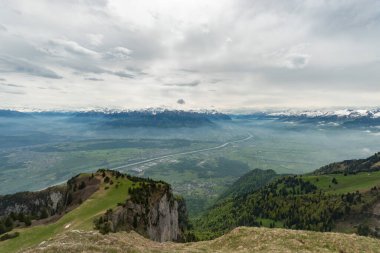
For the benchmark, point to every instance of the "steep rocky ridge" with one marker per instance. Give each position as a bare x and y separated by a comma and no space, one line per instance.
151,210
52,198
32,208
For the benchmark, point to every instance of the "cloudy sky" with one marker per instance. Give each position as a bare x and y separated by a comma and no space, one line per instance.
224,54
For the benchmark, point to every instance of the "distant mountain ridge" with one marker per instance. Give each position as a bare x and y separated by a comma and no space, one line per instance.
346,117
152,117
327,114
13,114
343,113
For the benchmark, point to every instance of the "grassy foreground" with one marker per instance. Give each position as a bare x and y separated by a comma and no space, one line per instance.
80,218
242,239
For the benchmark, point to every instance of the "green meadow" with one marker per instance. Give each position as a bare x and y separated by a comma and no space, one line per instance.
349,183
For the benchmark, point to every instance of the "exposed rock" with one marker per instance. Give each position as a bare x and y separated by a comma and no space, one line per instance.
51,201
159,215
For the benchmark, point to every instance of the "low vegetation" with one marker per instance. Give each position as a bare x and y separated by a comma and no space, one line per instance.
242,239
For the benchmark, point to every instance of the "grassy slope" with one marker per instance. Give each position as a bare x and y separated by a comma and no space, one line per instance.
220,217
242,239
350,183
79,218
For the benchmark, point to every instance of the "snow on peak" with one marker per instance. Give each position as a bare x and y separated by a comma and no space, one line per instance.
342,113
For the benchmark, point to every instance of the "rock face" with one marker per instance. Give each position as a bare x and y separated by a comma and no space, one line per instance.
159,215
52,200
163,222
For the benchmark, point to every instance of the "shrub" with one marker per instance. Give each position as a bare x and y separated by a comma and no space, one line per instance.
363,230
27,221
3,229
9,222
9,236
82,185
44,214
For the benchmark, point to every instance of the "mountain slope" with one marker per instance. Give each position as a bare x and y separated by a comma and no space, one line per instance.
242,239
352,166
310,202
112,193
249,182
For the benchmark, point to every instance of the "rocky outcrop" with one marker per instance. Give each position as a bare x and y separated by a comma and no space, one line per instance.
51,201
152,211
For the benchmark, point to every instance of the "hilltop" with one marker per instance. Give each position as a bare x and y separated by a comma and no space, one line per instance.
242,239
352,166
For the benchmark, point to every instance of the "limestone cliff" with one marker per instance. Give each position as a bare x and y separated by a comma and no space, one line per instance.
52,201
151,210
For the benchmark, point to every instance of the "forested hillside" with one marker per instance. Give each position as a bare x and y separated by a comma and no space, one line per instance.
352,166
326,202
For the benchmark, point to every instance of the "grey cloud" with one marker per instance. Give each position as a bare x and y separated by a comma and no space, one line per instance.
48,88
185,84
91,68
95,39
11,85
123,74
93,79
216,80
351,78
71,47
12,92
3,28
9,90
348,17
181,101
121,53
189,70
10,64
3,79
297,61
246,50
80,67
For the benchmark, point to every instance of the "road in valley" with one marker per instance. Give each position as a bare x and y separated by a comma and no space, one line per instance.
250,136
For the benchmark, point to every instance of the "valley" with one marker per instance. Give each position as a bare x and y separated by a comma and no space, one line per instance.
231,172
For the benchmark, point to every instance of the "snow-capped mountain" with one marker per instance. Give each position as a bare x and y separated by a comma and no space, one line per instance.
343,113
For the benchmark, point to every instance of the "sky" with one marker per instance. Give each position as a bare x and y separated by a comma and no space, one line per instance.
220,54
